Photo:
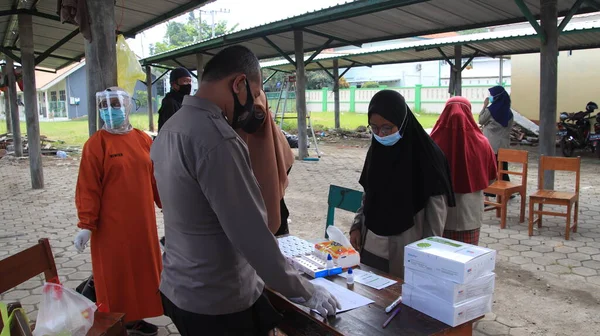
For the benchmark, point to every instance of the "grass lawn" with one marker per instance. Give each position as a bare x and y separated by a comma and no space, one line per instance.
75,132
348,120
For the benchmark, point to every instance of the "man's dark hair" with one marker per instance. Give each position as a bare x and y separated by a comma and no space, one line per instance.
236,59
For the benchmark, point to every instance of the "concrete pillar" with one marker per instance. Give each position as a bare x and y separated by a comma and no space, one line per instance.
301,94
458,70
14,108
149,90
100,56
336,92
548,83
30,99
7,105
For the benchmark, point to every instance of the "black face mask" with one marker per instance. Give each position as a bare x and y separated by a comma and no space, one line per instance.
245,116
185,89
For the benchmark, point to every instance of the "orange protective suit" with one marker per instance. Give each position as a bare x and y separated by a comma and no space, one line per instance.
115,198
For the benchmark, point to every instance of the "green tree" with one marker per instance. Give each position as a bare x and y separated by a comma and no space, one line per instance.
142,97
181,34
343,83
370,85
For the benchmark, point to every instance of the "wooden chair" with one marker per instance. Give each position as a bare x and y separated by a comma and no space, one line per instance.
504,189
341,198
551,197
26,264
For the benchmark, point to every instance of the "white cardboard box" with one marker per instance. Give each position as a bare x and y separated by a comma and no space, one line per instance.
443,311
447,290
449,259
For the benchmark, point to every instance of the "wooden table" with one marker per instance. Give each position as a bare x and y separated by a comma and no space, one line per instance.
367,320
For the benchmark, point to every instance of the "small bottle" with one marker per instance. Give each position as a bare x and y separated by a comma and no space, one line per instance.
329,262
350,279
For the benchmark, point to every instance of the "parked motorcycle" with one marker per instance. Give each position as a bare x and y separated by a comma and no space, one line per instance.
574,131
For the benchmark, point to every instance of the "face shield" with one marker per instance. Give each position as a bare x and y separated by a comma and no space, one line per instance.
114,107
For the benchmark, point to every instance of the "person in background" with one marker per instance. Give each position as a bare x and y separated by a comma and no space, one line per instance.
497,121
271,158
181,86
407,186
216,229
115,196
472,164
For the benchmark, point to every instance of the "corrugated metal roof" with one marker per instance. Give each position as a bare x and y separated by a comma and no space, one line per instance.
363,21
132,16
502,43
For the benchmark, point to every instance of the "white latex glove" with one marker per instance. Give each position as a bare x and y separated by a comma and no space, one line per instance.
81,240
323,302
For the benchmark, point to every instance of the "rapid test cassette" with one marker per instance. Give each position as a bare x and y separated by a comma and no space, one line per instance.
299,254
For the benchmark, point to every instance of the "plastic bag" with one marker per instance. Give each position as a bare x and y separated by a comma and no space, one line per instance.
63,312
129,70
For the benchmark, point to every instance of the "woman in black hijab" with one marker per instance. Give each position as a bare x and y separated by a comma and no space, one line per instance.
407,186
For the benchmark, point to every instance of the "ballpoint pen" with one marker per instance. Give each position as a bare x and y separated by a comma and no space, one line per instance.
393,305
385,324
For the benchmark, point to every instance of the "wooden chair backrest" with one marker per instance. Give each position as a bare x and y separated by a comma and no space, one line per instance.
26,264
555,163
513,156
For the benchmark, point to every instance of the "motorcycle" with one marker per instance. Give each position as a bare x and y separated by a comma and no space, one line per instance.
574,131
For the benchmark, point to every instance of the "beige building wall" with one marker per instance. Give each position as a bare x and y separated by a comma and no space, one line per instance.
578,82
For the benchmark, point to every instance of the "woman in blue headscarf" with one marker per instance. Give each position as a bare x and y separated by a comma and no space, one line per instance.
497,121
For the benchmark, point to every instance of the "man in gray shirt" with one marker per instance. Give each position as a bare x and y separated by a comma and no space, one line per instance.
219,249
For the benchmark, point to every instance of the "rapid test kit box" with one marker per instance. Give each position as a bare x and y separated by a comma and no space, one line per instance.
451,314
449,291
450,260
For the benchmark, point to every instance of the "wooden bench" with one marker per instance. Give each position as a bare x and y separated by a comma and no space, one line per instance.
27,264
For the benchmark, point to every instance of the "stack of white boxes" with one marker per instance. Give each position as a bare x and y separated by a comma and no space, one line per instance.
448,280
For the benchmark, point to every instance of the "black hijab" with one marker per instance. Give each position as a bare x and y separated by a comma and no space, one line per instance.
399,179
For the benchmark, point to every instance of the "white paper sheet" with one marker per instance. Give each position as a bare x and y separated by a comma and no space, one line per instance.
347,298
370,279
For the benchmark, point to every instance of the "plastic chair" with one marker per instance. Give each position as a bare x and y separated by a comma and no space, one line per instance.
552,197
341,198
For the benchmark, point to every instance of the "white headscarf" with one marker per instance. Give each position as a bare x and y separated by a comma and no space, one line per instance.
110,101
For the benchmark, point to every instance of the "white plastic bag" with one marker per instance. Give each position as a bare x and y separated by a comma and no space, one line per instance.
63,312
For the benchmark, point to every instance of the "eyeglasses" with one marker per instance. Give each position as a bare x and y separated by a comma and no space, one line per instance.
384,130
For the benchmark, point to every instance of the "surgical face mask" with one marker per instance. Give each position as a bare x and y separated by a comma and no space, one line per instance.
185,89
388,140
113,117
491,99
245,116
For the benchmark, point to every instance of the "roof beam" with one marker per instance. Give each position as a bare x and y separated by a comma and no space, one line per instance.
317,52
356,62
164,17
569,15
161,76
348,68
79,57
270,76
469,60
446,58
529,16
310,31
57,45
283,54
594,3
477,50
9,53
325,69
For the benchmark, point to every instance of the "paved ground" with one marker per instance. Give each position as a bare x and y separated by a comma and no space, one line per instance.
545,285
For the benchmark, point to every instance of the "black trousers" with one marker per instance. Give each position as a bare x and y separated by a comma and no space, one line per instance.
257,320
505,177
